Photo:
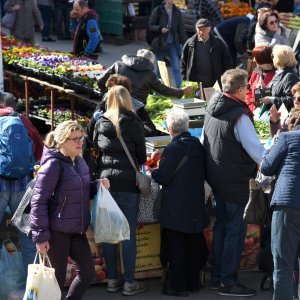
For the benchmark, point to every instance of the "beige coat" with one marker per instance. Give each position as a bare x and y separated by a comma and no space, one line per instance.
26,17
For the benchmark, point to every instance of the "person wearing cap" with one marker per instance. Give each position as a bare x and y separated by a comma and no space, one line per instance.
139,69
205,57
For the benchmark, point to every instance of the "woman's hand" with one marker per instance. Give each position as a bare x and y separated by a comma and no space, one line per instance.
16,7
105,182
43,247
265,100
274,114
164,30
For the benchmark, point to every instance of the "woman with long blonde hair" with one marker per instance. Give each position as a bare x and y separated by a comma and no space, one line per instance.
121,120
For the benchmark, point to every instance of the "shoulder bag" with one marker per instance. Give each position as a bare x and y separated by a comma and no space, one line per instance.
143,181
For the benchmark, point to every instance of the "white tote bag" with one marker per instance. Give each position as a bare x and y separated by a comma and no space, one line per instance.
41,281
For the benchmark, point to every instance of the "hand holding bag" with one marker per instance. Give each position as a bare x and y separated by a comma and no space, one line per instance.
257,210
41,281
143,181
9,19
109,225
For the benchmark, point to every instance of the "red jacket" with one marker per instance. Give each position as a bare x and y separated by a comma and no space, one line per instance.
254,79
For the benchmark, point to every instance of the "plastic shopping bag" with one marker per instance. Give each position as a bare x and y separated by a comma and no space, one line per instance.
41,281
12,272
110,224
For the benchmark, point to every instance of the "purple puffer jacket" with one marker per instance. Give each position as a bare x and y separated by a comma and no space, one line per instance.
60,200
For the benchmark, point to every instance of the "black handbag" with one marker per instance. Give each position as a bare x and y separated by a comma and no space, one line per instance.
257,210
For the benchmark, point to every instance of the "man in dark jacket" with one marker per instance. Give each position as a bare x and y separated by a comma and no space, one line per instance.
205,58
232,154
87,34
183,216
139,69
166,22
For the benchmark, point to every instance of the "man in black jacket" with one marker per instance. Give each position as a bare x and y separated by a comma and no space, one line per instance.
205,57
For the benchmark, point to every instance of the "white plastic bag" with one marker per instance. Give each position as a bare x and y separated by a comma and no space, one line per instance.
110,224
41,281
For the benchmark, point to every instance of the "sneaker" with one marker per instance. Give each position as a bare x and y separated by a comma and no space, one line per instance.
132,288
237,290
114,285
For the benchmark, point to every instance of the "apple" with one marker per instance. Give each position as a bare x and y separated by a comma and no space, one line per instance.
98,268
100,275
98,261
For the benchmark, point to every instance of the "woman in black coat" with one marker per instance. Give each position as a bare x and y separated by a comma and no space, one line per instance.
183,217
120,119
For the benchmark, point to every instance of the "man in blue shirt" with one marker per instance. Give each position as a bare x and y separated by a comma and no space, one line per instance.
87,34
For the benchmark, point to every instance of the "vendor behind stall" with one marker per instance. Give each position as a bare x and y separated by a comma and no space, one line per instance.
140,70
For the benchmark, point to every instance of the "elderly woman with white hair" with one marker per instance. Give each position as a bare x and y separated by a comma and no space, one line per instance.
181,173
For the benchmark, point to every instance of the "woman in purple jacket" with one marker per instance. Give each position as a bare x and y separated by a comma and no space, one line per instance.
59,214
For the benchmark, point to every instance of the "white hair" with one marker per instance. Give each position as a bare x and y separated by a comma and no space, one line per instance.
146,54
178,120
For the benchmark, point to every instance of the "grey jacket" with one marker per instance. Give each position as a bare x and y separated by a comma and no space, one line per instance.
28,13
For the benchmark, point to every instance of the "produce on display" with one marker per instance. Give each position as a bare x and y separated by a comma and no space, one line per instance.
231,9
262,129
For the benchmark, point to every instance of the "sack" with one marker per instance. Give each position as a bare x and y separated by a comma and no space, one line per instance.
143,182
146,205
9,19
41,281
21,217
257,210
151,35
16,155
110,225
12,272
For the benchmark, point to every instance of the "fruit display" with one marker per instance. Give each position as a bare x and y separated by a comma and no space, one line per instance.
231,9
286,17
262,129
251,247
181,4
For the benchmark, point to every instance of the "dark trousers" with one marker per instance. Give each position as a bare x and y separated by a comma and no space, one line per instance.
46,15
62,14
187,254
76,247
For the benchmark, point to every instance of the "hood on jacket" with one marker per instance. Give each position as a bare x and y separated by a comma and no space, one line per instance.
92,13
219,104
50,153
189,144
126,119
137,63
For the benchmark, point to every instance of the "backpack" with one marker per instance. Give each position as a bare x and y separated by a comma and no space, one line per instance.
21,217
149,34
16,155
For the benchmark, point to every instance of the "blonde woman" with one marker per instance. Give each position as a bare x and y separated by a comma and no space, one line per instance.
120,119
59,214
285,77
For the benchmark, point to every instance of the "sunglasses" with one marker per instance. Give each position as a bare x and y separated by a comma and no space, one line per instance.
296,98
77,140
273,22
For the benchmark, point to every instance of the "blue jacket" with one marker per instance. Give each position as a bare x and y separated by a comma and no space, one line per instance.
283,160
183,196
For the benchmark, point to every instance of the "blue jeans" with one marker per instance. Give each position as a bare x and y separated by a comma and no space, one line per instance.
46,15
285,238
62,13
175,63
129,204
12,200
228,242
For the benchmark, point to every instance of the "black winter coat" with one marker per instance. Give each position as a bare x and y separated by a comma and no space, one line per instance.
159,20
183,207
220,58
143,79
114,163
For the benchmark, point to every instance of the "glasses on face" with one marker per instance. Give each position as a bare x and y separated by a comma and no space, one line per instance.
77,140
273,22
296,98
